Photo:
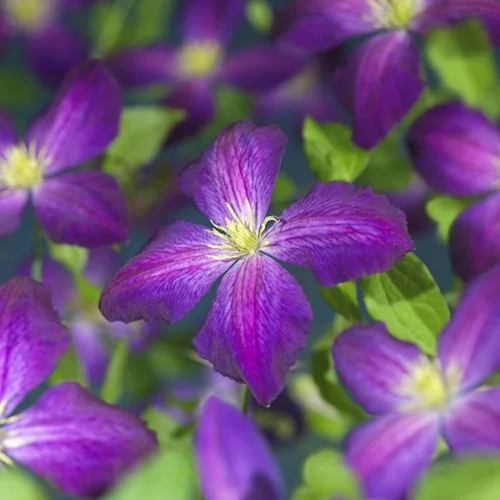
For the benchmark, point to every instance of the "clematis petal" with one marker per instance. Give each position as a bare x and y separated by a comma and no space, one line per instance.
102,263
261,68
91,349
8,135
234,460
493,29
12,204
372,364
31,339
239,170
389,453
197,100
317,25
469,347
473,423
77,442
257,326
144,66
210,20
340,232
379,84
81,121
445,12
456,150
53,52
475,238
166,279
83,208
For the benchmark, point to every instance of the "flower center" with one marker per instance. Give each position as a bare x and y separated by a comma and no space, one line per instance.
239,236
393,14
22,167
199,59
27,14
425,386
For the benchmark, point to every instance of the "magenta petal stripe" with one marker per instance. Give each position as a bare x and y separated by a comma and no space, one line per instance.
372,364
257,326
234,461
31,340
340,232
167,279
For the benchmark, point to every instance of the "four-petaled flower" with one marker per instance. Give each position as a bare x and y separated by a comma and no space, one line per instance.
83,208
457,151
381,79
417,399
260,316
68,437
201,63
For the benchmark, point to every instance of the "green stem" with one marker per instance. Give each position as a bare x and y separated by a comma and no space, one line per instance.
112,28
245,399
36,267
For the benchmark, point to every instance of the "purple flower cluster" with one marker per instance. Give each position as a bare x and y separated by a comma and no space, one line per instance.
260,318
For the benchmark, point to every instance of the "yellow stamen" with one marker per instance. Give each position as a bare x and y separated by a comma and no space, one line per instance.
27,14
22,167
199,59
394,14
426,385
239,235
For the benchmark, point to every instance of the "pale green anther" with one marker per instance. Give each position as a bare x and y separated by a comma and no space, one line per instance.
22,167
198,59
395,14
27,14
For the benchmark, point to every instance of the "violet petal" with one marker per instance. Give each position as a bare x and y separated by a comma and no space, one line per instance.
12,204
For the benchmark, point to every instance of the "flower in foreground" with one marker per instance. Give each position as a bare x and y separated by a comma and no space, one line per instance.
381,79
416,399
52,49
92,334
457,151
201,63
85,207
234,461
68,437
260,316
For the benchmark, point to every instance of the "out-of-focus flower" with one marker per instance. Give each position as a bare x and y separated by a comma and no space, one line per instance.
83,208
417,399
52,48
92,333
201,62
233,459
68,437
304,94
381,79
260,316
457,151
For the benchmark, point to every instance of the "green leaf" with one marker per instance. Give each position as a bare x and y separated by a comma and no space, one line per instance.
169,474
161,423
343,300
16,484
408,300
443,210
143,130
68,370
326,474
284,190
113,383
71,257
462,57
473,478
259,15
331,153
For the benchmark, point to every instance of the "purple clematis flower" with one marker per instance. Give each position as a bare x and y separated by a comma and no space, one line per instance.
92,333
83,208
381,79
416,399
233,459
51,48
201,63
68,437
457,151
260,316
